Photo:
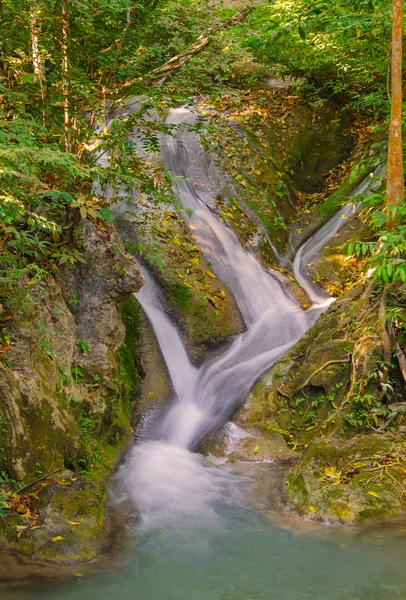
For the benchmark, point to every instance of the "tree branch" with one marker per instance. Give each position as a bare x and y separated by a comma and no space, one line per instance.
119,41
202,41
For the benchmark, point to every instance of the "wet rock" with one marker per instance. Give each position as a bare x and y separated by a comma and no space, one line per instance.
201,305
234,443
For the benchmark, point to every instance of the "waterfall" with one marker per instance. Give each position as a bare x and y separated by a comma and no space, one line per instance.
162,476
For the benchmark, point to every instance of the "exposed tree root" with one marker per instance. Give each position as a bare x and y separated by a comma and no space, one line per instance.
347,359
28,485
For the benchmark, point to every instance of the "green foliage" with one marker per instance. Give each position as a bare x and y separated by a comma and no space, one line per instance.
84,346
360,415
387,251
182,294
56,144
4,496
340,48
77,372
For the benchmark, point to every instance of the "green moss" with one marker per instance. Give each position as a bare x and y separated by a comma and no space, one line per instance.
343,496
340,197
127,354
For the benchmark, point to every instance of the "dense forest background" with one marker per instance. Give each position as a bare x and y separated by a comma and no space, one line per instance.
64,65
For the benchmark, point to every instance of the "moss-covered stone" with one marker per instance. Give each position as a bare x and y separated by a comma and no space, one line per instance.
70,523
311,385
334,480
197,300
233,443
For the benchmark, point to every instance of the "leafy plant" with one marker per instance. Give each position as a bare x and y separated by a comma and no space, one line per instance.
77,372
84,346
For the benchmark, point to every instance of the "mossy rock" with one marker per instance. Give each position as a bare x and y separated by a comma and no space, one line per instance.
70,526
205,311
322,486
52,421
314,375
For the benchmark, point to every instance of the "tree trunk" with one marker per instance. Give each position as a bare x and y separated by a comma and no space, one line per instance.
36,54
395,178
65,76
37,59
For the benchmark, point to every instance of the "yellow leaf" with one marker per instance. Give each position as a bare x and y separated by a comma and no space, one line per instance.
92,212
374,494
358,31
332,472
83,212
210,274
58,538
312,509
73,523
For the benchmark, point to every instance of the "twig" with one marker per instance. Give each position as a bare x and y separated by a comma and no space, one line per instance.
119,41
28,485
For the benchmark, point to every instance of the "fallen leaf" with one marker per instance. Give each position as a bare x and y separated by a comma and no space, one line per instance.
58,538
374,494
332,472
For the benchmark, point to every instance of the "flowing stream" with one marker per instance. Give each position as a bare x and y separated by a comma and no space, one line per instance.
198,538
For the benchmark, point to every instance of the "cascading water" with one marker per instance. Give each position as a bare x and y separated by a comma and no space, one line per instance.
162,476
321,238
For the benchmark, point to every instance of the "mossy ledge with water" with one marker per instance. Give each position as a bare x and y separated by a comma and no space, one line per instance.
326,400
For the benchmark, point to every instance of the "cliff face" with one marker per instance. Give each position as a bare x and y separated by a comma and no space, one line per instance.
65,390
